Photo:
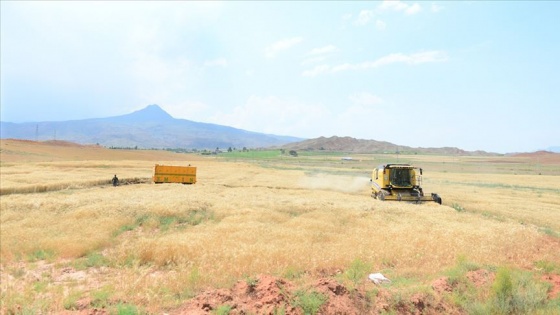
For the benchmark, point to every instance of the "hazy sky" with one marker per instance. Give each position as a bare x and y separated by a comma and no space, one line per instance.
475,75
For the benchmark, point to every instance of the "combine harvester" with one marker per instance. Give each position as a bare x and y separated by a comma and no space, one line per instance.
174,174
400,182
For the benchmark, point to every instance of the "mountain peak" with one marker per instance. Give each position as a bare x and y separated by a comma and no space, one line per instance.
149,113
153,111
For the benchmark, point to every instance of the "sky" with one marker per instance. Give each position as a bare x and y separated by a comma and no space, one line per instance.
475,75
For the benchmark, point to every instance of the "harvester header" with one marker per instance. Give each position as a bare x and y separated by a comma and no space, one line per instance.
400,182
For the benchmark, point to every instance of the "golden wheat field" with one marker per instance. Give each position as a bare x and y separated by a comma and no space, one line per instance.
66,234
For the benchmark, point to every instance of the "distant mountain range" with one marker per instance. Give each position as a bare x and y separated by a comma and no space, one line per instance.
349,144
150,127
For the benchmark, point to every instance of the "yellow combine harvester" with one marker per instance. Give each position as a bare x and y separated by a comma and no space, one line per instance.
399,182
174,174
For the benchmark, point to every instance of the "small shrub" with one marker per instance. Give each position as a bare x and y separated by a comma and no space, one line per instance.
124,228
309,301
166,221
40,286
457,207
292,273
397,300
502,290
193,282
92,259
126,309
139,221
96,259
517,293
547,266
464,292
100,298
549,232
223,309
529,294
457,275
41,254
279,311
357,272
477,308
199,216
370,297
251,283
70,302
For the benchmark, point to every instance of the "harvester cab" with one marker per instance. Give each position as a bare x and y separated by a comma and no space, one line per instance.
400,182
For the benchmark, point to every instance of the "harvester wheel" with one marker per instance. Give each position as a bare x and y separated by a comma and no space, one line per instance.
381,196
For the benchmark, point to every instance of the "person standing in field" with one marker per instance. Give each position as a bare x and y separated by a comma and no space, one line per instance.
115,180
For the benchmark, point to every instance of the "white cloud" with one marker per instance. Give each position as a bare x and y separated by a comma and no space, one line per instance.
364,17
320,54
436,7
396,5
355,118
220,62
413,9
417,58
411,59
365,98
312,60
321,69
272,50
274,115
323,50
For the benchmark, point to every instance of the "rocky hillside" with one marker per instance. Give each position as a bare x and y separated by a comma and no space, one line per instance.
349,144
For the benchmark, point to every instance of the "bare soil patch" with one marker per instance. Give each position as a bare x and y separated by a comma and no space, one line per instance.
555,281
271,295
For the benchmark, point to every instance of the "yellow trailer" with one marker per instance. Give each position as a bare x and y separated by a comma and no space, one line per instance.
174,174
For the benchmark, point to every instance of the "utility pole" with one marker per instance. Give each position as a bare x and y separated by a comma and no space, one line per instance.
37,133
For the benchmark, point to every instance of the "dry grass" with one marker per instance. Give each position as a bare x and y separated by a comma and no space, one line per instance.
162,243
530,199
